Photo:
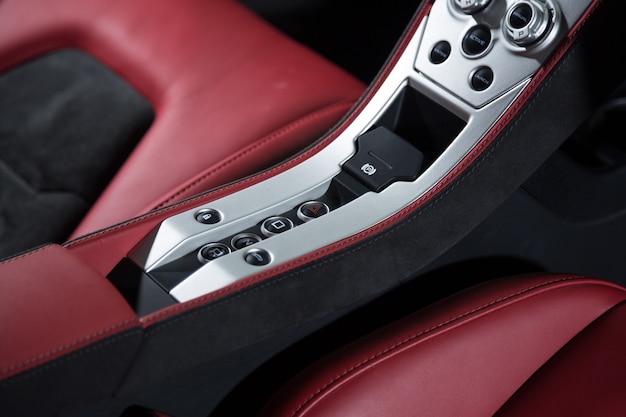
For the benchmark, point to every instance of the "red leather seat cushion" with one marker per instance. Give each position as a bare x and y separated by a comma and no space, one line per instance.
465,356
232,95
586,378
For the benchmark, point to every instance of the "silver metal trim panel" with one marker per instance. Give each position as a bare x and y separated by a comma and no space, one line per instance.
182,234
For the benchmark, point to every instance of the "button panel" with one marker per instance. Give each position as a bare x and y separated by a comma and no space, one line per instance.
478,50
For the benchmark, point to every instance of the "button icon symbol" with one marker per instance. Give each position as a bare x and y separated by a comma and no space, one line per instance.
278,224
212,251
312,210
243,240
208,216
258,257
216,252
368,169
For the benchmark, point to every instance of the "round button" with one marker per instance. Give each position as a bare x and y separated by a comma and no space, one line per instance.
208,216
212,251
520,16
276,225
471,6
527,22
481,78
476,40
243,240
312,210
258,257
440,52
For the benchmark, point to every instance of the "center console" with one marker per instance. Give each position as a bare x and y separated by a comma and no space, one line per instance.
455,78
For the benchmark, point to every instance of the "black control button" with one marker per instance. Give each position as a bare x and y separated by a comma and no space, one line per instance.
244,240
520,16
383,158
440,52
258,257
312,210
528,21
482,78
212,251
208,216
476,40
276,225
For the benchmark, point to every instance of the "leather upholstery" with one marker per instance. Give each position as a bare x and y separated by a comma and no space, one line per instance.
232,95
469,354
58,305
586,378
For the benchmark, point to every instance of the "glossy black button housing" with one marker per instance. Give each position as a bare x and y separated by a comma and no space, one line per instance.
476,40
243,240
258,257
212,251
482,78
276,225
440,52
312,210
521,16
208,216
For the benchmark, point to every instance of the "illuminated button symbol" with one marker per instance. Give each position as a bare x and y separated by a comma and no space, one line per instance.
208,216
212,251
312,210
276,225
216,252
368,169
258,257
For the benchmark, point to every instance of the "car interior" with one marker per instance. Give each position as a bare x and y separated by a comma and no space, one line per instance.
312,207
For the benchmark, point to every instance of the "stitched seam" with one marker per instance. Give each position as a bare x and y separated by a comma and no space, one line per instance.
409,339
24,255
161,210
60,361
59,350
264,141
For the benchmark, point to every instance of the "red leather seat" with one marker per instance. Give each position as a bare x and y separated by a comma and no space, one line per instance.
542,345
232,95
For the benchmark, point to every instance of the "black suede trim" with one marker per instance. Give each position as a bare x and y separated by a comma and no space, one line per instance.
86,375
66,125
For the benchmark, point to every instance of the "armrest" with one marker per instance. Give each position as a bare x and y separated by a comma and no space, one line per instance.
65,329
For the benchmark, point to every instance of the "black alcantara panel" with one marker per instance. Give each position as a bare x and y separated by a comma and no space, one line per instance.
75,380
67,124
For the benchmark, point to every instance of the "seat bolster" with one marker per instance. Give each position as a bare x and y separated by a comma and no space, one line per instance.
466,355
219,77
585,378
